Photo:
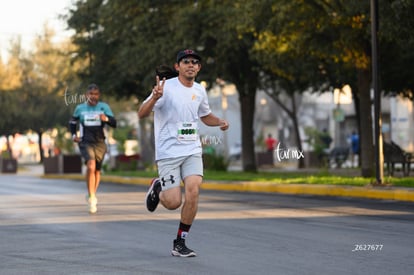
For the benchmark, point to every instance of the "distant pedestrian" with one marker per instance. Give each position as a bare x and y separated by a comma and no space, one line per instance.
354,146
92,117
324,143
270,143
326,140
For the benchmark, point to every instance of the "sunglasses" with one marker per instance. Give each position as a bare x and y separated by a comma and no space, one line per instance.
192,61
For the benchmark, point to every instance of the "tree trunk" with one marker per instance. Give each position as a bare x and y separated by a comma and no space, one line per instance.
247,104
365,111
42,154
294,117
9,148
146,138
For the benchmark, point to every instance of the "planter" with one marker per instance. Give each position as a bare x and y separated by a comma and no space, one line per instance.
8,165
264,158
63,164
127,163
313,160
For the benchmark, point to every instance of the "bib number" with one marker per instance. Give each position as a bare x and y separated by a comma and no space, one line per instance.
92,120
187,131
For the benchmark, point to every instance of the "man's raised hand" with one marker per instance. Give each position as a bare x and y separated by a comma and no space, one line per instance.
158,89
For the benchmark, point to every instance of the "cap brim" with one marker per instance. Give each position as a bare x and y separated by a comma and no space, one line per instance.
192,55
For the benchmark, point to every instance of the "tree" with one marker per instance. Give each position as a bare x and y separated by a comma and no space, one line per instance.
395,47
290,44
36,88
287,73
307,43
10,81
46,76
127,46
228,41
123,43
10,75
319,42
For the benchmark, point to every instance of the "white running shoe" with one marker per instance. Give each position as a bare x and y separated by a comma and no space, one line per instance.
92,204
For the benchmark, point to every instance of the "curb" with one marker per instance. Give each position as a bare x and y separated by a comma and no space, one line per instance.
383,193
368,192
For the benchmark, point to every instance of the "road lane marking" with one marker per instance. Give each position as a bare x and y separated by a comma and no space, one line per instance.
129,206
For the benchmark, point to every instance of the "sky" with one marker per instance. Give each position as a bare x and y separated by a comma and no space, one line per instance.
27,18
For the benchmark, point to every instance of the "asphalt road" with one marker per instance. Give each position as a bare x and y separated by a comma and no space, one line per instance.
45,228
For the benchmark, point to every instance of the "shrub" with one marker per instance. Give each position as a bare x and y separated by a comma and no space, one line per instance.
215,162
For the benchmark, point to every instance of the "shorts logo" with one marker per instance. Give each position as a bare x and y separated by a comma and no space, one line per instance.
164,181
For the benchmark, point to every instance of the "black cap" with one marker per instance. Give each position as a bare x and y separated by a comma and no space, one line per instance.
185,53
92,87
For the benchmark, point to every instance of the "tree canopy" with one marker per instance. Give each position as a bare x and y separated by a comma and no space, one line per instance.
284,46
33,85
292,45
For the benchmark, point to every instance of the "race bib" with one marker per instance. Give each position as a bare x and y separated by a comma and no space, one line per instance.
92,119
187,131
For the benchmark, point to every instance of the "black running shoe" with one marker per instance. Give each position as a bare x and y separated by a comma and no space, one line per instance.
180,250
152,199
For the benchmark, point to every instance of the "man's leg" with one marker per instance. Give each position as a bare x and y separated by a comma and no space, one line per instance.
100,151
171,198
91,177
188,212
190,206
166,189
88,153
97,180
98,166
192,173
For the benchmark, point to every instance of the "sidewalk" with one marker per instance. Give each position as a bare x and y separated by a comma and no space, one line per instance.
368,192
30,169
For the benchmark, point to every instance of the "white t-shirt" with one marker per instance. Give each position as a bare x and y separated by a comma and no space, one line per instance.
176,118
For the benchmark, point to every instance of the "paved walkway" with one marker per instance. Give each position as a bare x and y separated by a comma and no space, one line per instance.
369,192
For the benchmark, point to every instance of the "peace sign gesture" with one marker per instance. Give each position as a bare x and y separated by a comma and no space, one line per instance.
158,89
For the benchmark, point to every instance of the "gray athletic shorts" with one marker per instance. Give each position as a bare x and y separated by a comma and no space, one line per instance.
94,151
172,171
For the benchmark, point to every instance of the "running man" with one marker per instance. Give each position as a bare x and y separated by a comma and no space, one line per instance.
178,104
92,116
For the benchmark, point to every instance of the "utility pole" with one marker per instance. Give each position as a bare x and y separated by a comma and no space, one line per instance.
379,157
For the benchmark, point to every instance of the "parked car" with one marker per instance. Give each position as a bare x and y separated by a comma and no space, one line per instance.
235,151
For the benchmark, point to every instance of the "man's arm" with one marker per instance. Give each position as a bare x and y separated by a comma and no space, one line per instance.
212,120
157,92
110,120
107,116
73,122
146,108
